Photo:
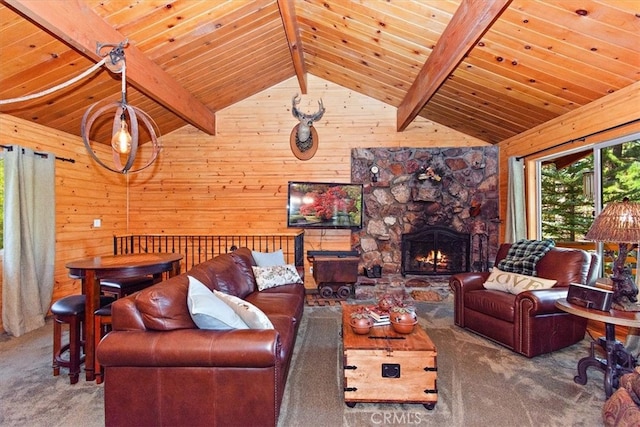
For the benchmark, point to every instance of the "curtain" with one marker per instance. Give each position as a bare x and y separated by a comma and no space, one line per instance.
29,239
516,224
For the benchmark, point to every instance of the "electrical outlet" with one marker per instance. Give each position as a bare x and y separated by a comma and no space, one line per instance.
97,223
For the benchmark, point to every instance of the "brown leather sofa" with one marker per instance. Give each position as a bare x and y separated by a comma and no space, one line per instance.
161,370
528,323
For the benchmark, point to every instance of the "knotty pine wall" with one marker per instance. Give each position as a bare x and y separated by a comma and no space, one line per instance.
236,181
232,183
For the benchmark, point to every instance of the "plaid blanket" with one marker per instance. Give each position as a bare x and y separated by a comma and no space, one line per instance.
524,255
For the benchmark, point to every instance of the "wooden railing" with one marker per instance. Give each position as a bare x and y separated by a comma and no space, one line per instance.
199,248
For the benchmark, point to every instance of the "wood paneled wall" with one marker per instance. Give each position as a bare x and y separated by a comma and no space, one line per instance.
84,192
236,181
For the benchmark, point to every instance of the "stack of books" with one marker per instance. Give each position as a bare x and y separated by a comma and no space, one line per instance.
379,317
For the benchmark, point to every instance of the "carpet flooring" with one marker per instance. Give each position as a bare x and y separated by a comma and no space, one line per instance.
479,383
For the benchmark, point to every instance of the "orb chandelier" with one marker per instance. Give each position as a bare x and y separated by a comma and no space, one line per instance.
126,122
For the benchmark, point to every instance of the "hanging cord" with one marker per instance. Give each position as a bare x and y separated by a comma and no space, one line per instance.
124,82
114,56
55,88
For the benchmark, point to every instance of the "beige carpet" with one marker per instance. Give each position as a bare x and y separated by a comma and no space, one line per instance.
479,383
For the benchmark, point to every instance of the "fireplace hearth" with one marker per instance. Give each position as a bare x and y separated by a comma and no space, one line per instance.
435,250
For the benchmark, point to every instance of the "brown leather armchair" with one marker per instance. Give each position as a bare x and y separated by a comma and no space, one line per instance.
528,323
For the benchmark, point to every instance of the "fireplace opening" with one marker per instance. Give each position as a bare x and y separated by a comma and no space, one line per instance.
435,250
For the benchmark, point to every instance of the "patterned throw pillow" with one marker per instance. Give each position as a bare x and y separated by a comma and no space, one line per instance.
515,283
277,275
524,254
249,313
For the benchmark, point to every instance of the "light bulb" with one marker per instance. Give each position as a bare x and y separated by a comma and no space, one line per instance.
121,140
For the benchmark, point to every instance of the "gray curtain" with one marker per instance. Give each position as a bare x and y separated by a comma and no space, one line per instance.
516,223
29,239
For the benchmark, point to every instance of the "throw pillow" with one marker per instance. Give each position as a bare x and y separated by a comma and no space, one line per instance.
278,275
268,259
249,313
208,311
524,254
515,283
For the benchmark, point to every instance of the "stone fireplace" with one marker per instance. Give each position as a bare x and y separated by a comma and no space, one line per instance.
414,189
435,251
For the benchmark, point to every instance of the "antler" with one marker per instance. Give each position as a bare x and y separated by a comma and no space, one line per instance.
294,110
306,120
320,113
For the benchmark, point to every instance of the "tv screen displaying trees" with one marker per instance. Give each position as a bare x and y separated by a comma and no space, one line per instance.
324,205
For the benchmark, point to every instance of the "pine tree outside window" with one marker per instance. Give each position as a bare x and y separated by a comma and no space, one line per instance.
567,210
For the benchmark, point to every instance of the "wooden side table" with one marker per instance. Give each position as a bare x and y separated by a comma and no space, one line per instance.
618,360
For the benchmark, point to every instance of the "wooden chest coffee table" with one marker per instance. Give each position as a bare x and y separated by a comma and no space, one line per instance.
385,366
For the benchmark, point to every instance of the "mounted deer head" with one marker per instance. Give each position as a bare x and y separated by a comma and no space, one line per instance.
306,120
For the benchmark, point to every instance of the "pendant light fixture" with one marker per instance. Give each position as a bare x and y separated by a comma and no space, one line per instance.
125,130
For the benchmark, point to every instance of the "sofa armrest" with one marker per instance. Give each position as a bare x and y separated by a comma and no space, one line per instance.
246,348
541,301
460,284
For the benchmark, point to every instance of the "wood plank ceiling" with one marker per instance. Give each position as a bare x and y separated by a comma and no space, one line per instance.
489,78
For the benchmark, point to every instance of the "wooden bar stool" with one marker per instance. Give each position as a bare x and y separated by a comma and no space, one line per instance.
68,310
102,325
120,287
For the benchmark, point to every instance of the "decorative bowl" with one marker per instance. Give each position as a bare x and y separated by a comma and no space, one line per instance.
403,327
361,326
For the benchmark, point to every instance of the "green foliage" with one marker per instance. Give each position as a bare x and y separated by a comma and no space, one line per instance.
566,213
621,172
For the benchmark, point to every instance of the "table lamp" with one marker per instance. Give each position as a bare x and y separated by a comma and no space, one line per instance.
619,222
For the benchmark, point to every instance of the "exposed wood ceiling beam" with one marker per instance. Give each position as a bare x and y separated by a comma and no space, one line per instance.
288,14
77,25
467,26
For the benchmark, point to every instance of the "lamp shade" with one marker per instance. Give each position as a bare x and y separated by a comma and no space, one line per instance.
619,222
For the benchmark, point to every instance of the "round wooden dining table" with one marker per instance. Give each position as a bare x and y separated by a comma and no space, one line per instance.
92,270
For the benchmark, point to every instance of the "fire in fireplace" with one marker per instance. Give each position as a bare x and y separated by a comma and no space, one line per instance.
435,250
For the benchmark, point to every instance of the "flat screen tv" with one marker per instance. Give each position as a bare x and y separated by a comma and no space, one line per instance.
324,205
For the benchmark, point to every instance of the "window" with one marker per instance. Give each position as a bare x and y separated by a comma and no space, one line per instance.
567,206
574,186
